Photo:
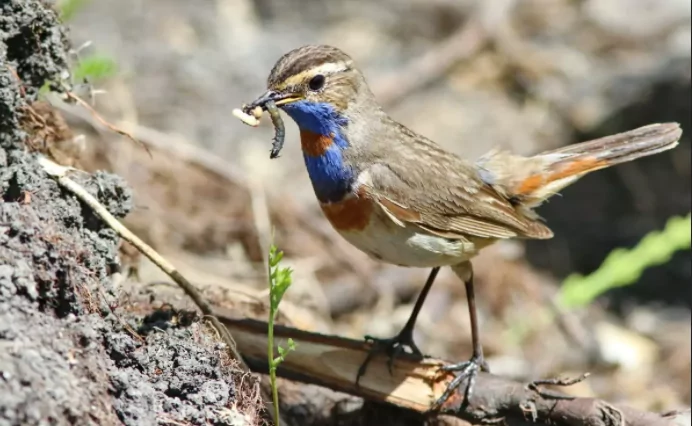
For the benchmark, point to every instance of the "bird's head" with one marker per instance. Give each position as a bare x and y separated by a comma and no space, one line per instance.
316,85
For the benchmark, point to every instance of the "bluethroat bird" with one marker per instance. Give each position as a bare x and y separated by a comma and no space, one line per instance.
402,199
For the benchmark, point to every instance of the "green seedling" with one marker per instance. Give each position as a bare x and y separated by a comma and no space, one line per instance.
279,282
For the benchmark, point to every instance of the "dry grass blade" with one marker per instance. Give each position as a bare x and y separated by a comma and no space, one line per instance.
102,120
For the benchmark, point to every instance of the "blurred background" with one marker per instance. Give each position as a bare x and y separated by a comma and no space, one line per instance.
470,74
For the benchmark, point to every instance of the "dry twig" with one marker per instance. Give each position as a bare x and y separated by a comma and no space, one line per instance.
59,173
84,104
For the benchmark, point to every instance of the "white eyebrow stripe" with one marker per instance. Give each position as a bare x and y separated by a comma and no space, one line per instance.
324,69
330,68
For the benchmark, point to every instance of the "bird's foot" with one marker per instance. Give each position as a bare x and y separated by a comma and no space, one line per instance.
465,370
393,347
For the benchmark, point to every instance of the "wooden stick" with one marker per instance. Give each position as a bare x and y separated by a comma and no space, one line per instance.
333,361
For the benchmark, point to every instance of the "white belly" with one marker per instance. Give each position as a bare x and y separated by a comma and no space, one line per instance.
408,245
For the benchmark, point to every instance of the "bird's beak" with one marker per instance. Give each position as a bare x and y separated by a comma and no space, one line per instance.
279,98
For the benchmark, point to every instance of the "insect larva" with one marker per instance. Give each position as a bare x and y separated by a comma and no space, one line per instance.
250,115
248,119
257,112
279,131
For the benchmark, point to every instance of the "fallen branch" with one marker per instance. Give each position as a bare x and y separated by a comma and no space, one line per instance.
332,362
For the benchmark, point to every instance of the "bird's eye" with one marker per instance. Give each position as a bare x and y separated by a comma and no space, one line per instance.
317,82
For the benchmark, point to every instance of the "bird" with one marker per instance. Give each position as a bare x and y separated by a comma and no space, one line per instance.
404,200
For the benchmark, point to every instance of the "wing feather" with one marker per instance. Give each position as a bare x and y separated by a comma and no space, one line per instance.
448,198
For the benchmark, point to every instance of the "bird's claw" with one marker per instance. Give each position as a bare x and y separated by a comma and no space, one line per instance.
393,347
466,370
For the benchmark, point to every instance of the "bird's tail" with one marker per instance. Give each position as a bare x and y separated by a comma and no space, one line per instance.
532,180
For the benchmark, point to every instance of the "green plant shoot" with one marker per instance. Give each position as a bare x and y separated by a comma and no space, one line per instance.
623,267
94,67
279,282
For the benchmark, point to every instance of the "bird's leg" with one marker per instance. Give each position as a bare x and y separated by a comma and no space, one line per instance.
394,346
467,369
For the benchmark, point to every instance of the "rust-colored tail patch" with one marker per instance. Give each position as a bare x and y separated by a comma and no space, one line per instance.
528,181
566,169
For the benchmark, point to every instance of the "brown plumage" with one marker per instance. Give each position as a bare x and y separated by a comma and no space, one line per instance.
403,199
420,183
494,197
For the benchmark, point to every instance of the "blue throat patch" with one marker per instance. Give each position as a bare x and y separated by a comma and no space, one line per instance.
331,178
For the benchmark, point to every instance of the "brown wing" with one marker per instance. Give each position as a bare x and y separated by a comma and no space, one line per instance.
422,184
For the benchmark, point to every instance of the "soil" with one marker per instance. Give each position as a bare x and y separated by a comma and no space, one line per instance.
67,355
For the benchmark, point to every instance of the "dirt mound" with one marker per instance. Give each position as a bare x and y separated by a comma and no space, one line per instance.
68,356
